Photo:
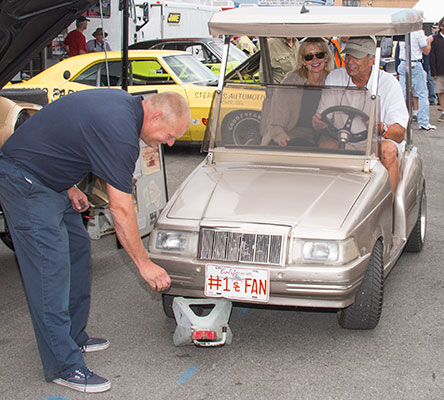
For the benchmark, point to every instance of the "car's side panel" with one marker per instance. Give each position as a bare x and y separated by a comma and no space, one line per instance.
408,193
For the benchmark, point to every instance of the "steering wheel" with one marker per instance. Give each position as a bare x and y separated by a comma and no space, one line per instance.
344,134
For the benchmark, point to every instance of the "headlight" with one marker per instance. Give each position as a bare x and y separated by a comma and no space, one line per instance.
324,251
321,251
173,241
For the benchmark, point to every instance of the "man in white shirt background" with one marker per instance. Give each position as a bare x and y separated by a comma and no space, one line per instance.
420,44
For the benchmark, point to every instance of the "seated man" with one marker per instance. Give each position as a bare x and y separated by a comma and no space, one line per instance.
360,71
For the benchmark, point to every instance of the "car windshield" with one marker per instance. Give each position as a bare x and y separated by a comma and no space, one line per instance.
234,55
190,70
280,117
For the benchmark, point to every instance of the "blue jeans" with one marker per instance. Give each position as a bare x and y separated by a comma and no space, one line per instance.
419,83
430,87
54,254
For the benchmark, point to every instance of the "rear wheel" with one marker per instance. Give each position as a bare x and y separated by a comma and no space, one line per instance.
364,313
416,239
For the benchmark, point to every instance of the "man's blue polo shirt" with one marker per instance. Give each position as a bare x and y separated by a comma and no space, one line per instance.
94,131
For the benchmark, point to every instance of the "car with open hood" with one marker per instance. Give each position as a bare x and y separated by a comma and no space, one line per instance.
301,225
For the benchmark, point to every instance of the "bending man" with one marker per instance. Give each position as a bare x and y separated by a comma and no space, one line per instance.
93,131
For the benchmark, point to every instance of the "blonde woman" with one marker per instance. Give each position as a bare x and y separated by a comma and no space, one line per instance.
292,109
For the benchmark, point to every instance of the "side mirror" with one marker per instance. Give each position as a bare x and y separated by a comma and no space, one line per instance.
146,12
66,75
145,15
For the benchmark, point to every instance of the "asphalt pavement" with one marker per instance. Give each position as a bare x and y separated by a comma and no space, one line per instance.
275,354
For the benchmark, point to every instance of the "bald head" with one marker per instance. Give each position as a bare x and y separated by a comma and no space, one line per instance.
166,118
173,106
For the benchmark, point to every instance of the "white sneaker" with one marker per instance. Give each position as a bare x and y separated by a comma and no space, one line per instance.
428,127
441,118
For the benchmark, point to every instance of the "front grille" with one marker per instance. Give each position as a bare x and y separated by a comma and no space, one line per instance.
222,245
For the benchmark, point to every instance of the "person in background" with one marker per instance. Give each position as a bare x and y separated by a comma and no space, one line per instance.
420,44
283,56
98,43
246,45
337,45
437,64
435,31
75,42
91,131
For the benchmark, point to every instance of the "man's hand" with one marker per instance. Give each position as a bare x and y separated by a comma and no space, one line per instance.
125,223
318,123
156,276
78,199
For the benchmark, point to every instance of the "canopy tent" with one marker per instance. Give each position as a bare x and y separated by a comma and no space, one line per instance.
316,21
433,10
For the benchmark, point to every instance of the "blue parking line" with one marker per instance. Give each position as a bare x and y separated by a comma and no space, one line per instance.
55,398
186,375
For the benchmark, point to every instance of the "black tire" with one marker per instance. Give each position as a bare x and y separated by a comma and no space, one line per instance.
365,312
242,128
167,303
416,240
5,236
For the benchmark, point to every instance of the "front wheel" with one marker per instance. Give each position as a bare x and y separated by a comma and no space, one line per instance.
242,128
365,312
167,303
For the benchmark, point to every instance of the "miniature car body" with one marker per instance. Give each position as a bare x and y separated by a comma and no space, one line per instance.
300,225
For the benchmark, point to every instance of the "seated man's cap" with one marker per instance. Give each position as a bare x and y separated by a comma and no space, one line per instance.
360,46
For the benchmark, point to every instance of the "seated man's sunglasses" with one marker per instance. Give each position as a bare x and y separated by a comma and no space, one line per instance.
319,55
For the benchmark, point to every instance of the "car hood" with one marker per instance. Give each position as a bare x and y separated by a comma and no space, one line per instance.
305,197
26,27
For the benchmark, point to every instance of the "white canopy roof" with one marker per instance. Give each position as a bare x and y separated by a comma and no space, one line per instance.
433,10
318,21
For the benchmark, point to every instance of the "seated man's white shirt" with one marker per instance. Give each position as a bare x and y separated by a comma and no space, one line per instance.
392,106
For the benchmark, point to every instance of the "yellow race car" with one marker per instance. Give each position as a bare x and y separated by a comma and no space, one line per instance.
148,71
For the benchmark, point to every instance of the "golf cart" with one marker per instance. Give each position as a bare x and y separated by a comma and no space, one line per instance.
301,225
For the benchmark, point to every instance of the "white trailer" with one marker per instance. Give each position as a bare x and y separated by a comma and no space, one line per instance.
147,20
173,20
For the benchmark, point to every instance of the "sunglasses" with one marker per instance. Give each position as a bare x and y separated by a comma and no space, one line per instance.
319,55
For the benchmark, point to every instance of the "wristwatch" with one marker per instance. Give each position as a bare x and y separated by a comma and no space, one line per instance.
385,129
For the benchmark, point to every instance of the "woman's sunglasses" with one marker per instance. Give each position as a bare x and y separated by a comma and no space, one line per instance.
319,55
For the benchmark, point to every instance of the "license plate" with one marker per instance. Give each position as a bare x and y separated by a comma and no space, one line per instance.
237,283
